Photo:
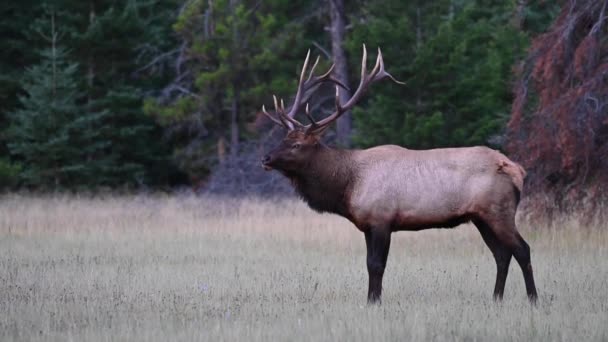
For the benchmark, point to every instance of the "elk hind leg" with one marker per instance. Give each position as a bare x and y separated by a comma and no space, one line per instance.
502,255
508,236
521,252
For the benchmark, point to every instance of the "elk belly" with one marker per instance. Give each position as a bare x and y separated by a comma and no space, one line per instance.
428,202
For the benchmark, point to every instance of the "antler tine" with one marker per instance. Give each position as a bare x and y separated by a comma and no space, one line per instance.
329,71
301,83
309,116
313,82
327,77
312,70
281,114
376,74
308,87
305,66
378,67
276,103
338,106
363,65
278,122
381,73
286,117
298,99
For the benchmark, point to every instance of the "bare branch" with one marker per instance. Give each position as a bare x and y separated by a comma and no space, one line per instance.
322,49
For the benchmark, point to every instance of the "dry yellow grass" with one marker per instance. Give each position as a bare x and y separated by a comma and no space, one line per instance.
184,268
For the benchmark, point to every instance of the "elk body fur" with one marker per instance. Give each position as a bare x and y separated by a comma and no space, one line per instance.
409,190
389,188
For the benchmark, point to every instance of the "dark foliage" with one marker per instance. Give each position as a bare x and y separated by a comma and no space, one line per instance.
559,123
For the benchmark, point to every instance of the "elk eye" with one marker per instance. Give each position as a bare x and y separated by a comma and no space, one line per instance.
296,145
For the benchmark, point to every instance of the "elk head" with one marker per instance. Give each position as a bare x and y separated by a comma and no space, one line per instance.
302,141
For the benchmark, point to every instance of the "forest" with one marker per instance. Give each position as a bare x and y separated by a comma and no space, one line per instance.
135,95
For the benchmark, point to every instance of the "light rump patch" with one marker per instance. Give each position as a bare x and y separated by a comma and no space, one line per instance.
515,171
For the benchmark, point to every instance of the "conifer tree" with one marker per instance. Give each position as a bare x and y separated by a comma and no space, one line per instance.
51,135
100,85
15,54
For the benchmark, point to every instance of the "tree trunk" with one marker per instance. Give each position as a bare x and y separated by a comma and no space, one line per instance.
520,14
91,67
234,110
418,28
234,124
451,11
418,46
54,54
221,149
337,29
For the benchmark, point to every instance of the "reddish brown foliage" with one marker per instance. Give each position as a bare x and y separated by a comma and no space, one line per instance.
559,126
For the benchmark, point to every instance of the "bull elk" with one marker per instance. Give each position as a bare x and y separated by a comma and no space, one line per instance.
389,188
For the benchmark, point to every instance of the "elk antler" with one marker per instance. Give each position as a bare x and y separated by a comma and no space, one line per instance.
378,73
306,87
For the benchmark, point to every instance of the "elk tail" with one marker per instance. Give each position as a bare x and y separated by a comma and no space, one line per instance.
515,171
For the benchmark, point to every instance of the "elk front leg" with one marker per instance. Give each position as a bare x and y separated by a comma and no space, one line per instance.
378,243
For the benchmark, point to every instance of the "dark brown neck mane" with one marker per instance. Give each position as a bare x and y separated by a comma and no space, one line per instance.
325,183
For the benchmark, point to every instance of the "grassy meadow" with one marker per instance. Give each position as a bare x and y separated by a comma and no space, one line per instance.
160,268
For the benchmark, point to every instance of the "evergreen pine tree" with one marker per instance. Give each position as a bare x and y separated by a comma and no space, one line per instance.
15,54
116,44
53,138
91,99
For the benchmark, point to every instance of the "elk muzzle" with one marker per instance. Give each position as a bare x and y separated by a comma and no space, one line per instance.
266,162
